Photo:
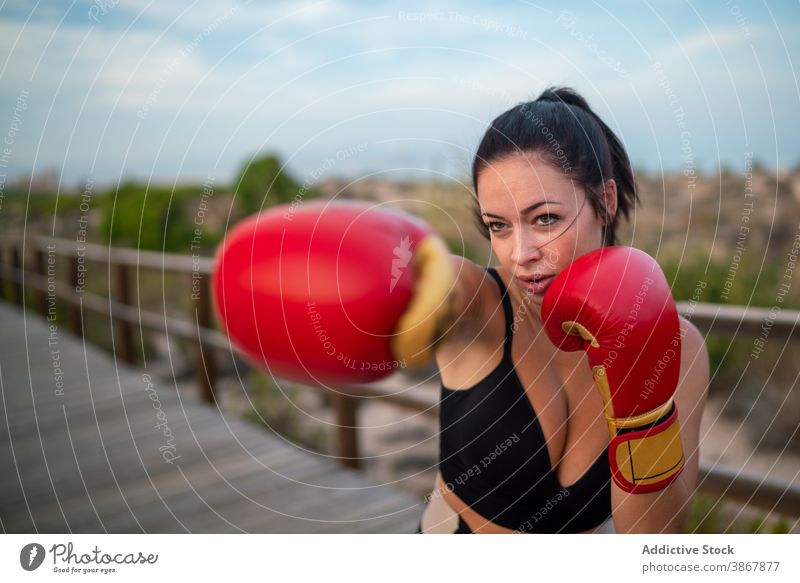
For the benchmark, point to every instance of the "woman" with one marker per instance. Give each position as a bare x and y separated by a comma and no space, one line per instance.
532,439
524,440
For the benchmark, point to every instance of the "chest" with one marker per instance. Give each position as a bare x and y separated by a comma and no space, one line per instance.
543,395
560,390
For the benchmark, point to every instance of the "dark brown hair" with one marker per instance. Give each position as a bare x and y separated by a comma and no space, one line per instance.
561,127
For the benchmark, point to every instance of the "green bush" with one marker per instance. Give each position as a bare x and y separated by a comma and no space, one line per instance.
752,284
148,217
711,515
263,182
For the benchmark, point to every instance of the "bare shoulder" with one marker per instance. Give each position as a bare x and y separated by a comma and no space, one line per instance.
472,289
472,299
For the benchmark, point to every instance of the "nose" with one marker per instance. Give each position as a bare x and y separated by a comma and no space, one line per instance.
526,248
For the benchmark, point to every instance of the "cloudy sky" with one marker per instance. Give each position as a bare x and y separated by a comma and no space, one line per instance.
187,90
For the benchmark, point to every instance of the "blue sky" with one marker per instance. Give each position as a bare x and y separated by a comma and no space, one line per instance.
183,91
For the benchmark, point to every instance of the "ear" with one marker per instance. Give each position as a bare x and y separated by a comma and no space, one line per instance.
610,199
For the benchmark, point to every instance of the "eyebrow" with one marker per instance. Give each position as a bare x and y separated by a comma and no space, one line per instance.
525,211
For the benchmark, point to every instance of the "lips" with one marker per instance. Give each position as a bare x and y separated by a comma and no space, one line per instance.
536,284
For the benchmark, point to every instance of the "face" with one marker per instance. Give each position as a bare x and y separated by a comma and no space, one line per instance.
539,220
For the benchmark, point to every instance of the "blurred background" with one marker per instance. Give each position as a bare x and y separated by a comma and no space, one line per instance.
156,126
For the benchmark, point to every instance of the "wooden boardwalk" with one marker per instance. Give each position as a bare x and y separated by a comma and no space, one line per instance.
90,445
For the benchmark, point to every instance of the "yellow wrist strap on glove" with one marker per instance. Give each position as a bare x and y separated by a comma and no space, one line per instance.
645,452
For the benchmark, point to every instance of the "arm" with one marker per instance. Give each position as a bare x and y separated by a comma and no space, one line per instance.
615,304
668,510
467,299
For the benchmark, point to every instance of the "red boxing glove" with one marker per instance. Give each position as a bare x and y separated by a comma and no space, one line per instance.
341,292
615,304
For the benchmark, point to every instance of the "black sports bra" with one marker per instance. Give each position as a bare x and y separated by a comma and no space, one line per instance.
493,455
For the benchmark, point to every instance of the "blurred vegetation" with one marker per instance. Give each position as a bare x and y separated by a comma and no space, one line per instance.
753,284
711,515
142,217
696,275
38,211
158,217
264,182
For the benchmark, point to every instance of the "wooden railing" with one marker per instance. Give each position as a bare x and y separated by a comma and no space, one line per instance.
126,317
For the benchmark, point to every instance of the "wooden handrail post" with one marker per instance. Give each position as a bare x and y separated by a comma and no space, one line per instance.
346,407
16,286
73,311
40,268
2,273
206,370
124,340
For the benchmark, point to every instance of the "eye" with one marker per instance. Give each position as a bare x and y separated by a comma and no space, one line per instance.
547,219
494,226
